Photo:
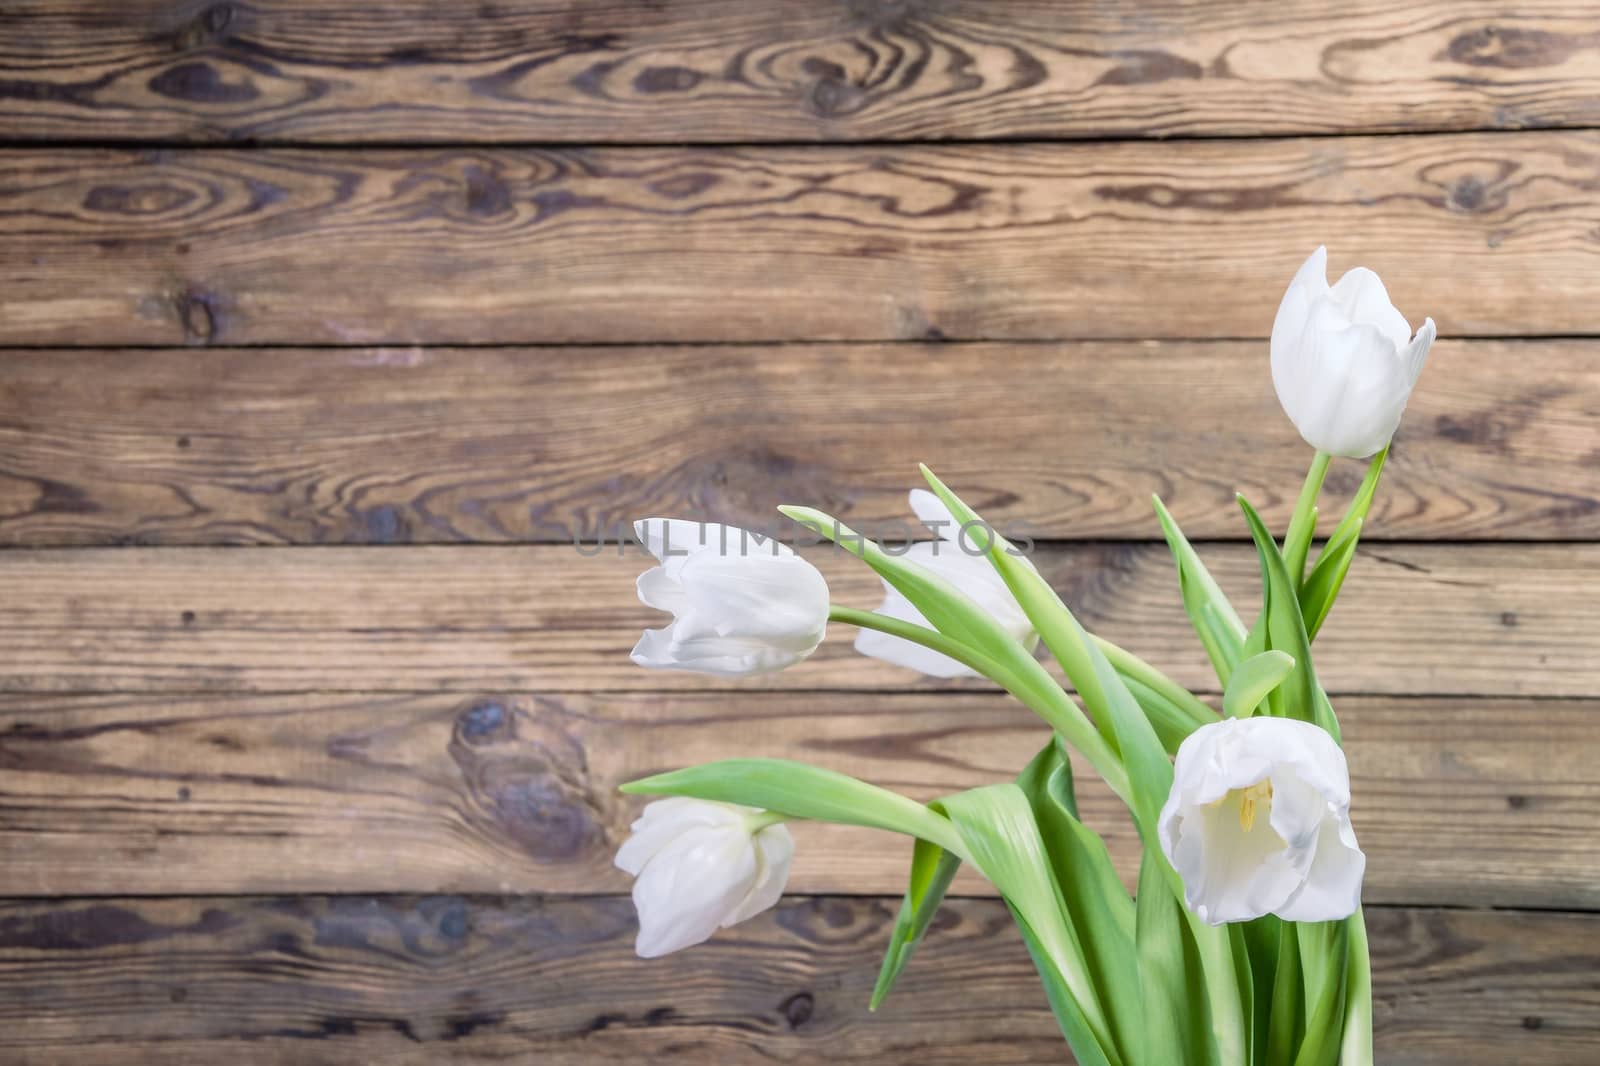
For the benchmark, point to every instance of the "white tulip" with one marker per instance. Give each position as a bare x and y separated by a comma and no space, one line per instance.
701,866
1343,359
742,604
1258,822
951,557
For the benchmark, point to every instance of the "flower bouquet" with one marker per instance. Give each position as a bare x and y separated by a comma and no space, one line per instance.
1243,942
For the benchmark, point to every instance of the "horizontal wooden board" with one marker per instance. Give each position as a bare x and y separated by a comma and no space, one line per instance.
734,70
1456,801
1490,234
417,445
419,982
1468,620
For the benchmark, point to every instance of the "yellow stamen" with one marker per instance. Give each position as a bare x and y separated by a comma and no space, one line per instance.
1258,793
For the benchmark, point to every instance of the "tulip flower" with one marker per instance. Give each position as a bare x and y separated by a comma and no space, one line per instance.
1343,359
1258,822
959,561
701,866
741,604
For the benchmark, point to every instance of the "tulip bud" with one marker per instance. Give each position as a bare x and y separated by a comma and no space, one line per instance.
959,561
1258,822
742,604
1344,360
701,866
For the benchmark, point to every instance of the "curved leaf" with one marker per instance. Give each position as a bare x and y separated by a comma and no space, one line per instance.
1255,678
798,790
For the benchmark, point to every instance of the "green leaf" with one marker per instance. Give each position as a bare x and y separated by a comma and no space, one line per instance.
1047,782
1149,773
1288,1023
1255,678
947,608
997,826
1213,617
796,790
1356,1046
932,870
1097,905
1173,710
1086,1050
1259,942
1172,722
1281,628
1047,779
953,613
1361,503
1117,714
1174,995
1324,954
1322,587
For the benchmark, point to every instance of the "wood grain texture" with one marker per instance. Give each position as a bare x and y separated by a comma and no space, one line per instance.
416,445
1490,234
420,981
1457,801
1470,620
733,70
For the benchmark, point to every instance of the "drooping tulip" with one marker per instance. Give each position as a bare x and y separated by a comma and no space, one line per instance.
742,604
701,866
1343,359
955,558
1258,822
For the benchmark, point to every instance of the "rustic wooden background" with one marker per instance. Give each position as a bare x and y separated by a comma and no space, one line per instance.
328,326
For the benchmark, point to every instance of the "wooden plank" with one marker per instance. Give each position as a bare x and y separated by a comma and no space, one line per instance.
415,445
1456,801
1488,233
449,980
733,70
1469,620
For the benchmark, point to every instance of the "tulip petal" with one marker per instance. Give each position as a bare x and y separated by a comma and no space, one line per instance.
931,512
1237,865
741,603
1343,359
782,599
774,849
654,649
1313,273
670,538
663,820
1316,758
725,656
1231,874
1362,297
904,653
975,578
1417,351
691,884
1332,888
656,589
1357,388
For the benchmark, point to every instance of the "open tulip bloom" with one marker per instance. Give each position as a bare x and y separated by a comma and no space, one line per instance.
1242,941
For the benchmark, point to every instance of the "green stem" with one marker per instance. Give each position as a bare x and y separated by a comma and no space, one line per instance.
1041,694
764,820
932,639
1130,665
1303,526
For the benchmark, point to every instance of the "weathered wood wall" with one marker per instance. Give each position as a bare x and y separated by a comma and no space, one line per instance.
326,328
